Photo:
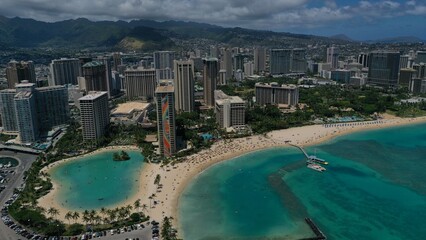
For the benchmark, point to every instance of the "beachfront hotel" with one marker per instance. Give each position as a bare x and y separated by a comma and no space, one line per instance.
230,110
94,113
276,94
166,120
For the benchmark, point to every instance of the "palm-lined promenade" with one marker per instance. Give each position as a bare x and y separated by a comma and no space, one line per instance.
159,187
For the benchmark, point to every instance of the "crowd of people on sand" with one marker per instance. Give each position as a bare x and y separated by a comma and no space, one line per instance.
350,124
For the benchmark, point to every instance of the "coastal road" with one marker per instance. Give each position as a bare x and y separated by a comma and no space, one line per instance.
15,181
144,234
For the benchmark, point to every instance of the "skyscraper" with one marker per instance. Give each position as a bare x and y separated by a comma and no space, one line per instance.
230,110
363,59
107,61
184,86
52,107
163,62
95,76
25,109
94,115
383,68
117,61
18,71
7,110
210,80
421,57
280,61
298,61
140,83
259,59
227,63
276,94
166,120
333,57
30,111
64,71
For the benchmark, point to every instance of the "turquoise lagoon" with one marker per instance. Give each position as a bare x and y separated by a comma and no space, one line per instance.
374,188
96,181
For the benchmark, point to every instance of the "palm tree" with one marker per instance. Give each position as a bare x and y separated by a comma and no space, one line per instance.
92,215
75,216
122,213
86,216
103,211
144,207
128,207
52,211
68,216
137,204
112,215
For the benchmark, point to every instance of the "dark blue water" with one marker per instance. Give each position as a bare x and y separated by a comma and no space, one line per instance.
374,188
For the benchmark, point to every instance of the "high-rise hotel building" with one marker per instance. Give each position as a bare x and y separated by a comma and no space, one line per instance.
211,73
94,113
140,83
30,111
276,94
230,110
64,71
19,71
383,68
184,86
166,120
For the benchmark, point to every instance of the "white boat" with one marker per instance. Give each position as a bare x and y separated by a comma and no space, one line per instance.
316,167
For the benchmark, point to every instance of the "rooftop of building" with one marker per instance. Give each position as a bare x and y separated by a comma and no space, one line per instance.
93,64
130,107
221,98
210,59
23,94
275,85
8,91
24,84
51,88
165,89
93,95
140,69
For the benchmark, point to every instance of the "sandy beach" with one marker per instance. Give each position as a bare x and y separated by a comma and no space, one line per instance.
175,178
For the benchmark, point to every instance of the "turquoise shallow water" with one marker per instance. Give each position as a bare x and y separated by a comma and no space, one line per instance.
97,181
374,188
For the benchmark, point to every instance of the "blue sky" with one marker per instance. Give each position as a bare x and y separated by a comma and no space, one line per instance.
360,20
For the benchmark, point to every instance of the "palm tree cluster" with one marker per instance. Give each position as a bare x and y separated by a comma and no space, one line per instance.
104,216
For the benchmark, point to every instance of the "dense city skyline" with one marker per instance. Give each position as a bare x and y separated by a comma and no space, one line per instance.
359,20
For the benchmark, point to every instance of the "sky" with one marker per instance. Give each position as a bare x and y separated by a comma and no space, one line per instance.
359,20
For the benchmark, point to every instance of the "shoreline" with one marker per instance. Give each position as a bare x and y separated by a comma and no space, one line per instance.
51,200
176,178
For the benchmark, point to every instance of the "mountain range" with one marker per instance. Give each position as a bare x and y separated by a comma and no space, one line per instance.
141,35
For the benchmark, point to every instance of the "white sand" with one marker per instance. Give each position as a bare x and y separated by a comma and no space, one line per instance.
175,178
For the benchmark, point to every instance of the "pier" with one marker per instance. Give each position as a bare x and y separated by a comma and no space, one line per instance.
301,149
318,234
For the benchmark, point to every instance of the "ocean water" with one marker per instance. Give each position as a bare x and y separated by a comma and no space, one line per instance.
97,181
374,188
